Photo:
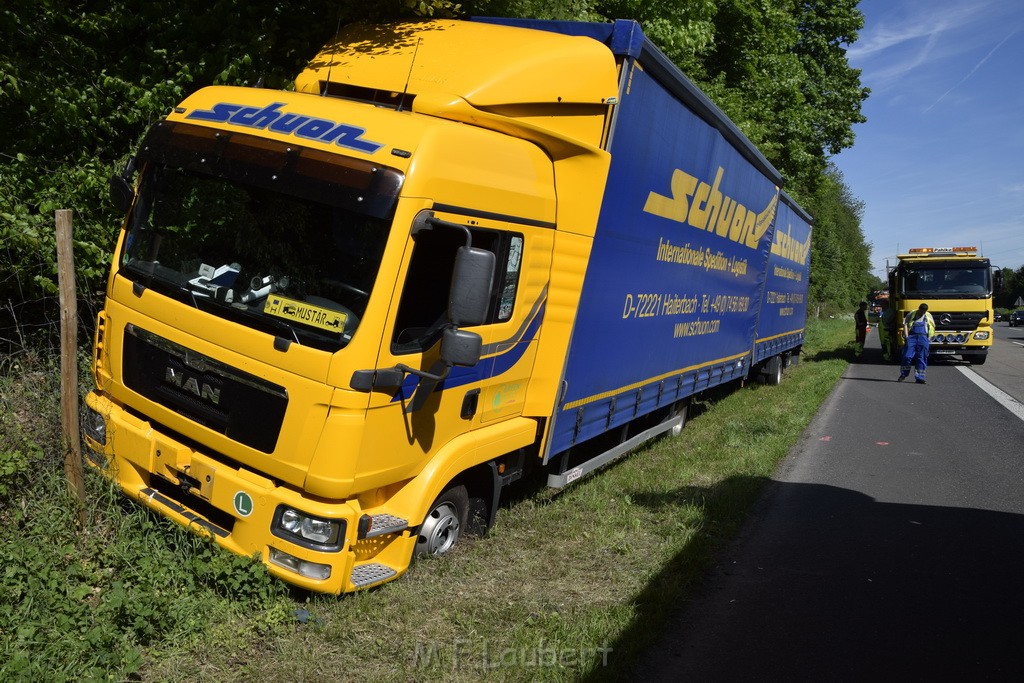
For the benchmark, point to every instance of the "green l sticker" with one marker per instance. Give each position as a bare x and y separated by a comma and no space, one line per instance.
243,504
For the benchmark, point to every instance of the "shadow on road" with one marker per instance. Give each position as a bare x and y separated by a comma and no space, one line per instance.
831,584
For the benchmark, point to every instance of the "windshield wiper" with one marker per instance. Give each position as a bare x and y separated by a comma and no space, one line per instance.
146,276
242,313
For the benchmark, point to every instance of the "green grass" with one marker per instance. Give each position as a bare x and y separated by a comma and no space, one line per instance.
568,585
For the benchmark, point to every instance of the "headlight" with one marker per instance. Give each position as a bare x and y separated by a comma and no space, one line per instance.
981,336
311,570
307,530
95,427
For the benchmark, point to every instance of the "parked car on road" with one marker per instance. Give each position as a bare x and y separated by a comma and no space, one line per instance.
1016,318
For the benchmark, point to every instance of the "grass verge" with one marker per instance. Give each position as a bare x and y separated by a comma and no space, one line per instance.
568,586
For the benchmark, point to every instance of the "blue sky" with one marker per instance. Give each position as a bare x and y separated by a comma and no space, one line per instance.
940,161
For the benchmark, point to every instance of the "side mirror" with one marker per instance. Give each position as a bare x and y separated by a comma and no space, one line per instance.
997,281
470,295
459,347
121,193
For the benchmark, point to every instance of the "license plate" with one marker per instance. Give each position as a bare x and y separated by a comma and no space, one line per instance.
307,314
945,352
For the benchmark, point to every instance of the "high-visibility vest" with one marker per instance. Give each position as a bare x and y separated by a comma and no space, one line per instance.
923,325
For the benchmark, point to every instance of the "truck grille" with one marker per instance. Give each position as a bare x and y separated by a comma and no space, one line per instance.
950,320
241,406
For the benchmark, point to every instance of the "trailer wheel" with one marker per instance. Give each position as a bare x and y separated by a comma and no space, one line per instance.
680,412
444,524
773,371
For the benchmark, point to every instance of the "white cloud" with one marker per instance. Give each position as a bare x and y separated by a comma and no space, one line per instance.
972,71
913,35
923,20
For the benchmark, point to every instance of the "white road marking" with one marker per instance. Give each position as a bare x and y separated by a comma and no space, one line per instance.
1005,400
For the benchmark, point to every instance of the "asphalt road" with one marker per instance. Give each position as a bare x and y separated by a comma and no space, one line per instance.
1005,365
889,545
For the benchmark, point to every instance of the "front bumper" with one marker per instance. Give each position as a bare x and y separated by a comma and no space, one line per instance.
234,506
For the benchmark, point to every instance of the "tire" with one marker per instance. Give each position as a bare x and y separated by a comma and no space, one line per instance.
444,524
979,360
773,371
681,412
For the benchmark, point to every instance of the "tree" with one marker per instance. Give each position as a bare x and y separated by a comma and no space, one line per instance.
1013,288
780,71
80,80
840,258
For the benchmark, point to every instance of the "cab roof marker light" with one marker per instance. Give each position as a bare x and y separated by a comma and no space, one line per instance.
934,250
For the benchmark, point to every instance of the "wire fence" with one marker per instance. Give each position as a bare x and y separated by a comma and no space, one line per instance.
30,314
46,329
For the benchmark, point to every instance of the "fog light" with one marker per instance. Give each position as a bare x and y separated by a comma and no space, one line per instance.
981,336
95,427
311,570
95,457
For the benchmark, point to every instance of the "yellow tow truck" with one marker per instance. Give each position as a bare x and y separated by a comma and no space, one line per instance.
958,284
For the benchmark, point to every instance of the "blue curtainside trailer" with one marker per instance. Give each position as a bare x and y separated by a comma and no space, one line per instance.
699,266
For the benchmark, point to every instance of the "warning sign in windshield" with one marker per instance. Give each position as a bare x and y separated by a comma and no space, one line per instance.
301,312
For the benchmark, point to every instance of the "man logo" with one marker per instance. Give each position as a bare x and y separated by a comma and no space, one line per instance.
190,384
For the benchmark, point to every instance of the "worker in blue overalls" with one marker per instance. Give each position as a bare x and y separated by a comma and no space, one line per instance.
918,328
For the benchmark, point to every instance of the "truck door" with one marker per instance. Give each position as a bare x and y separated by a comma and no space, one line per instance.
406,426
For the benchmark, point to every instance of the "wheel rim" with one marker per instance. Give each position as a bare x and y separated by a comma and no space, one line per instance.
440,530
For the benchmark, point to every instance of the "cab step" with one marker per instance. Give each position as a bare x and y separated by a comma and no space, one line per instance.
378,525
366,575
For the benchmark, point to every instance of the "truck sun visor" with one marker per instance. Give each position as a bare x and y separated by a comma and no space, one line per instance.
309,173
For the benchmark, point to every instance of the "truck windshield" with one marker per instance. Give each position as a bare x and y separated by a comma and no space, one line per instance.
260,232
947,281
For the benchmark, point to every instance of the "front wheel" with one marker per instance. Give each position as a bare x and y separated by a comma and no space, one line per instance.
979,360
444,524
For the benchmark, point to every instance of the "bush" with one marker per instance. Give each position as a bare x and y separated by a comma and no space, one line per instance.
102,601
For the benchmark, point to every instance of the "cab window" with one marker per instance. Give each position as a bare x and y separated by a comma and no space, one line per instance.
423,308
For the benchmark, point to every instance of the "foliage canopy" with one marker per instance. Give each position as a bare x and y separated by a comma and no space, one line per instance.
80,81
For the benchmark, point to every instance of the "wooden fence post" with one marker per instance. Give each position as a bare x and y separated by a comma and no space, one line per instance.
69,363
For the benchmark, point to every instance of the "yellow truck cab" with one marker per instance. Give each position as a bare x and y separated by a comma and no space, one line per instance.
958,284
